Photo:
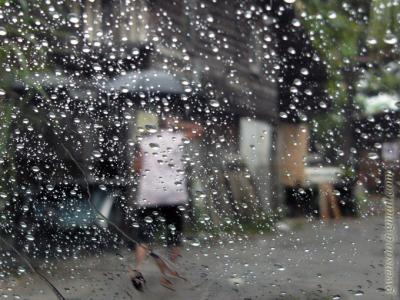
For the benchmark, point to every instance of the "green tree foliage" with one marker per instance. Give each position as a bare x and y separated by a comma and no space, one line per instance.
24,47
356,39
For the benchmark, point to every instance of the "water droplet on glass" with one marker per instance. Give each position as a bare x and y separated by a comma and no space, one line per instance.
228,221
74,40
195,243
148,220
214,103
390,38
35,169
96,67
304,71
96,154
359,293
279,267
378,145
30,237
3,31
372,41
296,23
373,155
332,15
291,50
2,92
73,18
283,115
151,128
206,217
154,146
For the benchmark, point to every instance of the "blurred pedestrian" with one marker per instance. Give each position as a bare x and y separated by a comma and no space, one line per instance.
162,191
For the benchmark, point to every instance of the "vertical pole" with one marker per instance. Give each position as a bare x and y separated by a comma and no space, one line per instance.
389,234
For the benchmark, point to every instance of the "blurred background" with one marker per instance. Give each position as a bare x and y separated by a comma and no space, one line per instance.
299,101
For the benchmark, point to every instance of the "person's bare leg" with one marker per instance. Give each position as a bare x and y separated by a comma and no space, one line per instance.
140,255
135,275
174,253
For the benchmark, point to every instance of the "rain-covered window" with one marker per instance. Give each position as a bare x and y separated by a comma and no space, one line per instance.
193,149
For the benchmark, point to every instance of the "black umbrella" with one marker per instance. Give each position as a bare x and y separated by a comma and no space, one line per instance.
147,81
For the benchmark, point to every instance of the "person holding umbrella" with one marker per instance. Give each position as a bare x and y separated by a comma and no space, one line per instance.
162,193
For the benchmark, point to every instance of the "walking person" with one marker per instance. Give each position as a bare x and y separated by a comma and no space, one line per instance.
162,193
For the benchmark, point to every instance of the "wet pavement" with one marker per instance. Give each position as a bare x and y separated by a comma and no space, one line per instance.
305,260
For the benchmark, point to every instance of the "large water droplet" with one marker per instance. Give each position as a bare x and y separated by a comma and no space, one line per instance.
214,103
359,293
151,128
96,154
332,15
390,38
195,243
372,41
304,71
296,23
322,104
148,220
283,115
154,146
279,267
73,18
3,31
373,155
74,40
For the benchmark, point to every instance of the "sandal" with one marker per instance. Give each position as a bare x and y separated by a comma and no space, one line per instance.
137,280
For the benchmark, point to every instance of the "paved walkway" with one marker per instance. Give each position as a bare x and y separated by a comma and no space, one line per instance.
312,261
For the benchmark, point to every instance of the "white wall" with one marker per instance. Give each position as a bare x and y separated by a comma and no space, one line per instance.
255,149
255,143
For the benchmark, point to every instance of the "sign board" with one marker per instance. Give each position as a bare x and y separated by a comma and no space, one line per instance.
322,175
390,151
